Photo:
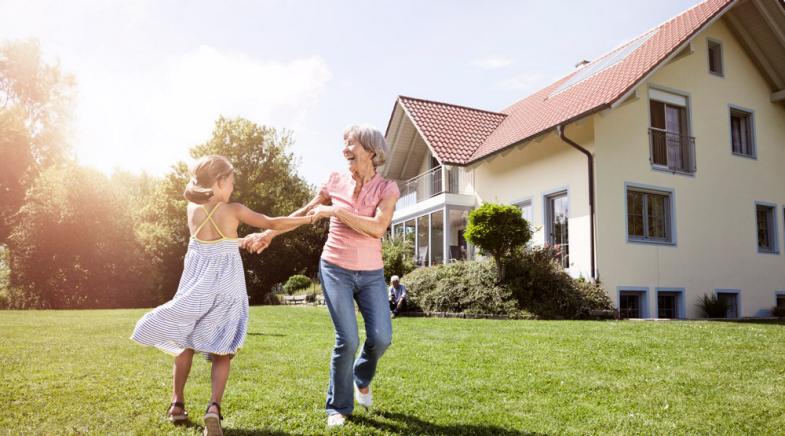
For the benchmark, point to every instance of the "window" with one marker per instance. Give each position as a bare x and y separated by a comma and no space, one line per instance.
631,304
671,147
649,216
437,237
732,300
767,228
526,210
557,219
668,304
423,241
741,135
715,58
781,301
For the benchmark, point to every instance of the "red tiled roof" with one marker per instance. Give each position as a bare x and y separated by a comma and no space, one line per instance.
460,135
453,132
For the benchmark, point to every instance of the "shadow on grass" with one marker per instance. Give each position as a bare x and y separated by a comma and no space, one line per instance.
267,334
243,432
229,431
407,424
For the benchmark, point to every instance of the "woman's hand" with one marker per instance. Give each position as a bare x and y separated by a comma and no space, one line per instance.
257,242
321,211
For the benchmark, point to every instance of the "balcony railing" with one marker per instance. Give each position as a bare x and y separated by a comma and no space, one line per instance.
438,180
671,150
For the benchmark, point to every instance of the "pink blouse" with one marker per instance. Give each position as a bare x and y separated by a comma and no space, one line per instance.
346,247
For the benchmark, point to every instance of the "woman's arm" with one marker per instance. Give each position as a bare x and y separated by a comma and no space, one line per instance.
374,226
255,219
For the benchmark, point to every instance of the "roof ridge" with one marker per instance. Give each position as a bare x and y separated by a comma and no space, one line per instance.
452,104
651,31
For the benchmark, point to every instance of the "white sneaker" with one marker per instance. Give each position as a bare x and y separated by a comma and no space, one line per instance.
365,400
336,420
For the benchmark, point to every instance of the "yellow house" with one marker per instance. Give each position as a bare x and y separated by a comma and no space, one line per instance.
656,169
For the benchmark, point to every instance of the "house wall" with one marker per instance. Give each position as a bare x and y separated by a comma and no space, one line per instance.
536,169
716,244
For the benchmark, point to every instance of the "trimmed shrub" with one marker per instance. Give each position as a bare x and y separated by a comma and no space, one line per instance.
541,286
398,257
712,307
296,283
460,287
535,286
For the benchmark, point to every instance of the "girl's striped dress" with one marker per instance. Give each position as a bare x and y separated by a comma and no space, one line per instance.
209,312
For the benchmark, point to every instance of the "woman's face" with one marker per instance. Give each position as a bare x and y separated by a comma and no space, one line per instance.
355,154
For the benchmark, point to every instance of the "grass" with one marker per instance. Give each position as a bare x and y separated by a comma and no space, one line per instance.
76,372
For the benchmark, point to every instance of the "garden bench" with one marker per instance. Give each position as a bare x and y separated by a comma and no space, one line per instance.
294,299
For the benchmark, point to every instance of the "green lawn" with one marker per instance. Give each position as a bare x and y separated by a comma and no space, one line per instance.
77,372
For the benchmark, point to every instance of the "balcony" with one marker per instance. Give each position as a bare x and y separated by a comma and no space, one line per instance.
671,151
437,181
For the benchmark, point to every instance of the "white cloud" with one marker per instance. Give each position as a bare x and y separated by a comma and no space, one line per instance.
524,82
493,63
147,119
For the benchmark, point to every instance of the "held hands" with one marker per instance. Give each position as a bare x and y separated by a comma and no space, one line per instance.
257,242
320,212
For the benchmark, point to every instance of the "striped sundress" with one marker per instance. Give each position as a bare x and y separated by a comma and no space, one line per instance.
209,312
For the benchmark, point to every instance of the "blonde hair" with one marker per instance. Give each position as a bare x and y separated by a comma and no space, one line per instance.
371,139
205,172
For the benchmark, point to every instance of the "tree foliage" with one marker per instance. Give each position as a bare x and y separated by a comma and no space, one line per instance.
265,181
35,99
74,245
398,256
497,230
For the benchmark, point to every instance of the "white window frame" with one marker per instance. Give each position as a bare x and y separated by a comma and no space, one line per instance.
670,214
750,125
718,43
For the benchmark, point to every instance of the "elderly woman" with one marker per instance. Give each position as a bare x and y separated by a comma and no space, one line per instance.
360,206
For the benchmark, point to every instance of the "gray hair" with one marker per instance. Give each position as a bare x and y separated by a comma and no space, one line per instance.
371,139
395,279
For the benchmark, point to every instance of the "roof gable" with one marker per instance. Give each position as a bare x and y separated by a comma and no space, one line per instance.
452,132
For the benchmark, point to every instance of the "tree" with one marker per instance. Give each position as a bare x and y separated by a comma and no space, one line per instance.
265,181
74,244
34,109
497,230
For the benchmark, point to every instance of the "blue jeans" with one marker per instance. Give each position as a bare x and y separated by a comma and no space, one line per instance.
342,287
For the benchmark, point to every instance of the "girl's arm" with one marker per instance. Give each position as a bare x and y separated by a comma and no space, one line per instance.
255,219
374,226
301,212
257,242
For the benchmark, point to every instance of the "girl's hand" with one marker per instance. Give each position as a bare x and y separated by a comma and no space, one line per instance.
257,242
320,212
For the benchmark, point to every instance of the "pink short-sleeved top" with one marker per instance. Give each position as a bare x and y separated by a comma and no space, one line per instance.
345,246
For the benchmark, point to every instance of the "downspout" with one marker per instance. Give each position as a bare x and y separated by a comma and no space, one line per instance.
590,164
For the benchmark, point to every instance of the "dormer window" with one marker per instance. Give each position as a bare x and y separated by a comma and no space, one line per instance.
715,58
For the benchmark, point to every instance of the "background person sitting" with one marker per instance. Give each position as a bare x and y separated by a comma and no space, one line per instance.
397,295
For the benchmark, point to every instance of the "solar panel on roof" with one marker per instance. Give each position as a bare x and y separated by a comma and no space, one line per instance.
604,63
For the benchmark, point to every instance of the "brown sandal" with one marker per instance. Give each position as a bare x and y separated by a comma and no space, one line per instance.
177,418
212,421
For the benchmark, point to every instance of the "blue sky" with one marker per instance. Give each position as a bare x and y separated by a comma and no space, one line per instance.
153,75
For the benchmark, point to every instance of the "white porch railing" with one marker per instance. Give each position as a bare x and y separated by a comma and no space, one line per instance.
438,180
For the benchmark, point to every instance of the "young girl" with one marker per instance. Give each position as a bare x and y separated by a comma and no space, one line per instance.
209,312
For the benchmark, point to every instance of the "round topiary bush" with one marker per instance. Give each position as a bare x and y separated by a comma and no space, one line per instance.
497,229
295,283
